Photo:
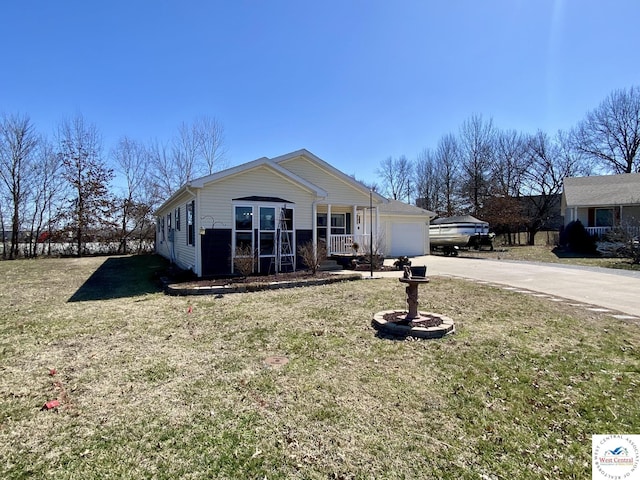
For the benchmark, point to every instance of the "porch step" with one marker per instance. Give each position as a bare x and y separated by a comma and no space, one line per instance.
329,265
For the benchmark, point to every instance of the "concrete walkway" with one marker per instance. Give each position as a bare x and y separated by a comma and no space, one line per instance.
617,290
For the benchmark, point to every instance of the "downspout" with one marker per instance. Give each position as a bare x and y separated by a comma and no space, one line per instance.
314,224
314,227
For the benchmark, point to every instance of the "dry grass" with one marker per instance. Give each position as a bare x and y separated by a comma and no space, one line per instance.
547,254
153,386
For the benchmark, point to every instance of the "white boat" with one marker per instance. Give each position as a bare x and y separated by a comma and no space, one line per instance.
452,233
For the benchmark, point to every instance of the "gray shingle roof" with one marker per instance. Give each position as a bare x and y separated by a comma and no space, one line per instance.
623,189
458,219
401,208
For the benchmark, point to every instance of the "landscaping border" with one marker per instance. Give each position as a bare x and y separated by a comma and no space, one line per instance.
183,290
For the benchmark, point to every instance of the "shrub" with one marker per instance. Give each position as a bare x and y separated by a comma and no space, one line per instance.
244,260
625,244
577,239
312,257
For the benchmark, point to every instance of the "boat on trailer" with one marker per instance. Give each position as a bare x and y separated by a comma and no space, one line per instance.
464,231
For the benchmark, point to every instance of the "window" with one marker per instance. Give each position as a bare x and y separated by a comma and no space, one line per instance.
338,224
267,218
604,217
244,218
162,230
169,221
177,215
267,236
244,229
287,215
191,234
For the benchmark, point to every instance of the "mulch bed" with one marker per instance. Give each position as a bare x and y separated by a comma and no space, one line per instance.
281,277
399,318
253,283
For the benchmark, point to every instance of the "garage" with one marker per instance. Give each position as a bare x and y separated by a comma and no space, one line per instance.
407,239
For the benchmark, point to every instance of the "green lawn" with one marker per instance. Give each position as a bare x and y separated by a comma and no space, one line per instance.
161,387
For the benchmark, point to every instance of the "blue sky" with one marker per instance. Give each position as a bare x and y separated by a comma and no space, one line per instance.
352,81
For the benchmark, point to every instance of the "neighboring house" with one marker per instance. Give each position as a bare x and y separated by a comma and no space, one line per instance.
603,202
271,207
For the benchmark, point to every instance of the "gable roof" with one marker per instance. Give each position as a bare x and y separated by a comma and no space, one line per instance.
264,161
622,189
303,152
400,208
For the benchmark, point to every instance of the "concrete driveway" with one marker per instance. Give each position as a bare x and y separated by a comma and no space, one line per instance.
617,290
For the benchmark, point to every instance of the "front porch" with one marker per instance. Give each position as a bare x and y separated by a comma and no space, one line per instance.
600,232
346,229
348,244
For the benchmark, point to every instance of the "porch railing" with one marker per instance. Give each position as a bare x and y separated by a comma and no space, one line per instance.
343,244
599,232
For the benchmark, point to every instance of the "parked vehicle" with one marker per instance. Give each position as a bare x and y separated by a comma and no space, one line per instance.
450,234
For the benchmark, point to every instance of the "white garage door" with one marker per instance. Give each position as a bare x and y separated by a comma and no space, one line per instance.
407,239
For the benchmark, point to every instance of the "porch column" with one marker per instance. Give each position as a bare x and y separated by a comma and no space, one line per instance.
314,227
354,214
620,219
329,252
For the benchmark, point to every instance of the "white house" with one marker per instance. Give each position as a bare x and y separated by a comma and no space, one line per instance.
273,206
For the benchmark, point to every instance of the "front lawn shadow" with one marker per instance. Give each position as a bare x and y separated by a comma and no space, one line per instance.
121,277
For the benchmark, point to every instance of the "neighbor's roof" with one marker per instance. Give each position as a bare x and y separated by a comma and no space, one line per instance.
458,219
622,189
400,208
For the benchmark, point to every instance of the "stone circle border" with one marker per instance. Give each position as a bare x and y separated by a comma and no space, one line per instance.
447,326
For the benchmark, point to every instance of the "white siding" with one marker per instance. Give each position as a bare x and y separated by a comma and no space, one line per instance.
262,181
177,250
340,191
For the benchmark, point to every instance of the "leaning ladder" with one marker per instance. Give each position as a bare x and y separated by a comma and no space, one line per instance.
283,254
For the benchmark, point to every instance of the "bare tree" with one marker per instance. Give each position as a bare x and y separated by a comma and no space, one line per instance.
134,203
185,150
209,136
198,149
549,166
164,171
47,190
18,140
503,210
447,156
476,153
428,184
396,177
610,134
88,176
510,163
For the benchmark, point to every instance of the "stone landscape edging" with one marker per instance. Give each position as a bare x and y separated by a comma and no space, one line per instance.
447,326
178,290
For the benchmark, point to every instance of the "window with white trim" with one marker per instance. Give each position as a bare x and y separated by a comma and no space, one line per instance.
191,233
243,226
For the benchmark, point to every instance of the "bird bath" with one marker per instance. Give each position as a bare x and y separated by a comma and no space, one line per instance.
413,322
